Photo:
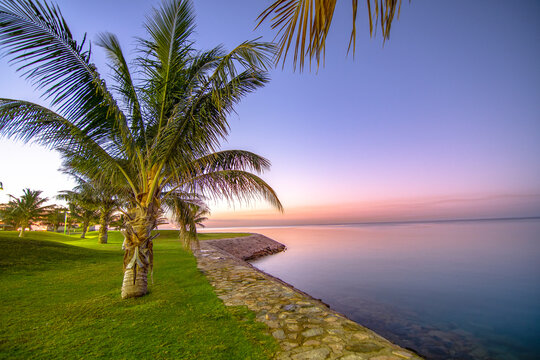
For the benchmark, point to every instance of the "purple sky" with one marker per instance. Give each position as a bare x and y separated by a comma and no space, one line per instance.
448,109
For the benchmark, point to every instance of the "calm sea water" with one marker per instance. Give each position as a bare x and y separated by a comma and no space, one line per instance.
456,290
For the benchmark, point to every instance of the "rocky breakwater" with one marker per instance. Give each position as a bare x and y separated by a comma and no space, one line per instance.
249,247
305,328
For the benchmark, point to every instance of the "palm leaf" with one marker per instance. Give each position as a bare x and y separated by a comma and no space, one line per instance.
293,19
38,39
169,28
124,80
233,185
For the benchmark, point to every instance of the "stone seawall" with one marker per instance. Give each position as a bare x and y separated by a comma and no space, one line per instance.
305,328
248,247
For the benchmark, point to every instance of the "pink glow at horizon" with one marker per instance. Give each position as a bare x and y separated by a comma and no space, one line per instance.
442,208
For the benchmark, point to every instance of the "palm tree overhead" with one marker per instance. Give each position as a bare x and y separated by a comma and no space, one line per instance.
156,131
307,24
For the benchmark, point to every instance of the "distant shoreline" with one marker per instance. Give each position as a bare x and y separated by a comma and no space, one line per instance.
402,222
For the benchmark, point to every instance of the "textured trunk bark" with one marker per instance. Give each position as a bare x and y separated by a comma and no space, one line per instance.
184,236
103,227
135,282
84,229
138,250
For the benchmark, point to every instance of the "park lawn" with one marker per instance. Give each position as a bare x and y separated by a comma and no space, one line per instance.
60,298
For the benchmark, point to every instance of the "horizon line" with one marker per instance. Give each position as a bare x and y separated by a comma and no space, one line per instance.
398,222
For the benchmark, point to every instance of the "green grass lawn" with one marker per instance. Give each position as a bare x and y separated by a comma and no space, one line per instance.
60,298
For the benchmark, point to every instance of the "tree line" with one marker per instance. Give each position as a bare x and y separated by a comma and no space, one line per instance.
85,208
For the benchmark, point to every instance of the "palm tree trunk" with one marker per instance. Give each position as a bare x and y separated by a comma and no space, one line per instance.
21,233
103,226
84,229
139,252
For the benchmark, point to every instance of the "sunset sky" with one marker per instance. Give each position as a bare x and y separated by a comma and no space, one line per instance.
443,121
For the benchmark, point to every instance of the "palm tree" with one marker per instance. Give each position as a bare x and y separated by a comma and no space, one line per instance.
293,18
8,217
25,210
55,217
91,200
82,207
189,211
162,134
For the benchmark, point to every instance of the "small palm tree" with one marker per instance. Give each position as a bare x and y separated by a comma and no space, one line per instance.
306,23
157,132
82,207
90,201
55,217
189,212
24,211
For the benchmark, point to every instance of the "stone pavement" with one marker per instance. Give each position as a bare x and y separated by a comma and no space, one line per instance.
304,327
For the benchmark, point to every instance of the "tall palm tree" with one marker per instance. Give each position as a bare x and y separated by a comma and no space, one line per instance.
307,22
159,135
26,210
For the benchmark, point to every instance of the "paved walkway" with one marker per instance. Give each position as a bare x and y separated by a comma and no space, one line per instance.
305,328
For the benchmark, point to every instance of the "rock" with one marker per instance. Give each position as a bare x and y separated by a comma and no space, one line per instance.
279,334
308,310
332,339
352,357
361,336
335,331
272,324
315,354
313,332
288,345
336,348
365,347
293,327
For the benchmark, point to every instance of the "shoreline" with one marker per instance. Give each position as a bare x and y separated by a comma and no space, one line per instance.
304,327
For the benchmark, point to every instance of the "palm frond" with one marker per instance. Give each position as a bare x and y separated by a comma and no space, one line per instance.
234,185
124,82
26,121
293,19
231,160
189,211
203,124
169,28
103,176
38,39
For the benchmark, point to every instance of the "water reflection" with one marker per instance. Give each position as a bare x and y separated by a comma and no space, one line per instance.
467,290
